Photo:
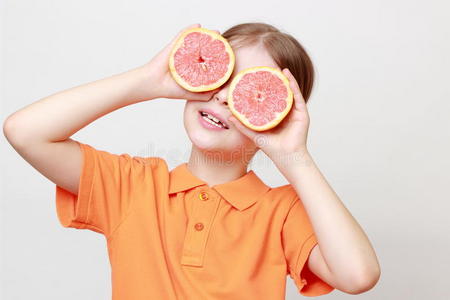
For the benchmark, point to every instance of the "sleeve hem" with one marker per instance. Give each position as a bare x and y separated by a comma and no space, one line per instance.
318,287
301,260
73,210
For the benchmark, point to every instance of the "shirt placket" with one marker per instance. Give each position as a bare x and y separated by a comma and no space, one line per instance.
204,209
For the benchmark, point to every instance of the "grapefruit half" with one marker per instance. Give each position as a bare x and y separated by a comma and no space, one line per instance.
260,97
201,60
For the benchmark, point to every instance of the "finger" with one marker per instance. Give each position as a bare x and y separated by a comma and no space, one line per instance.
242,128
298,97
195,25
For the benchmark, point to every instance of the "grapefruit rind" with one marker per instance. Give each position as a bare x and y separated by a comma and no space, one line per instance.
289,99
201,88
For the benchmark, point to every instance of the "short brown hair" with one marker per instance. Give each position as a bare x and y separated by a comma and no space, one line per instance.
285,50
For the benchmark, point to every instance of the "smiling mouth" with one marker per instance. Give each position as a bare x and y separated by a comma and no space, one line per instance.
213,120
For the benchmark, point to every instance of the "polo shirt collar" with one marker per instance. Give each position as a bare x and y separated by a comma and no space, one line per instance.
241,193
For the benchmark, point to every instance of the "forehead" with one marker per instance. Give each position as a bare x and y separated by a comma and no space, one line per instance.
252,56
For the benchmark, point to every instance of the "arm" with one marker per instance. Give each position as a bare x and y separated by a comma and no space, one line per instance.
40,131
343,256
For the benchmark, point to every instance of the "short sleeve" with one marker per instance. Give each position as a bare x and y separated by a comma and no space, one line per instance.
298,240
105,192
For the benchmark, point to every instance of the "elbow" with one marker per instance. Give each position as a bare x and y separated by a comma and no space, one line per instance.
8,128
364,281
12,130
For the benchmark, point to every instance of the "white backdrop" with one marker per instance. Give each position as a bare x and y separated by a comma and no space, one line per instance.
379,126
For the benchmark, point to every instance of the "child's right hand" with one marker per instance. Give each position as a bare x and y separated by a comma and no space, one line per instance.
164,86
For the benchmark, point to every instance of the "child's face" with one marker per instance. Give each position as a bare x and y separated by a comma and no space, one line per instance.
226,139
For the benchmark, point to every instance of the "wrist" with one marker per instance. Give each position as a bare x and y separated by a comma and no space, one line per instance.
143,87
287,161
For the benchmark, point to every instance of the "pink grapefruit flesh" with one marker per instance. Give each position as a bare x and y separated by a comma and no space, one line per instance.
260,97
201,60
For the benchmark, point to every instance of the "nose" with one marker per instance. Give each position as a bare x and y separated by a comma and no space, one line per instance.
222,96
221,99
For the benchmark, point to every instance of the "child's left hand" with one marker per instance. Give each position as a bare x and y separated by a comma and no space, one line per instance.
288,137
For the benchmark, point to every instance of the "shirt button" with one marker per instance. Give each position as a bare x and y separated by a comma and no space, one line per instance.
203,196
199,226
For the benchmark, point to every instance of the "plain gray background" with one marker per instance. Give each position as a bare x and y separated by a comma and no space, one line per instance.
379,126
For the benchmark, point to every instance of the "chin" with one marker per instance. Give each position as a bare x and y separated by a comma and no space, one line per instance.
204,143
208,142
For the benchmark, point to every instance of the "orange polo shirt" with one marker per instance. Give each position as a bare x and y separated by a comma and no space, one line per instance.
171,236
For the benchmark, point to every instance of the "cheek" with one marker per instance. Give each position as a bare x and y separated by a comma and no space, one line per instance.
188,115
235,140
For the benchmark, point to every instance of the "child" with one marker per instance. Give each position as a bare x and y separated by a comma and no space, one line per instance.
209,228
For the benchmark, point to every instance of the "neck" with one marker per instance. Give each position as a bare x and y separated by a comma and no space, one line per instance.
214,167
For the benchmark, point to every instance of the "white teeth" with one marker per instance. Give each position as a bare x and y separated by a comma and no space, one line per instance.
215,120
212,117
211,122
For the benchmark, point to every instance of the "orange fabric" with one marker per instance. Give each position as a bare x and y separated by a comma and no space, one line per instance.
171,236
